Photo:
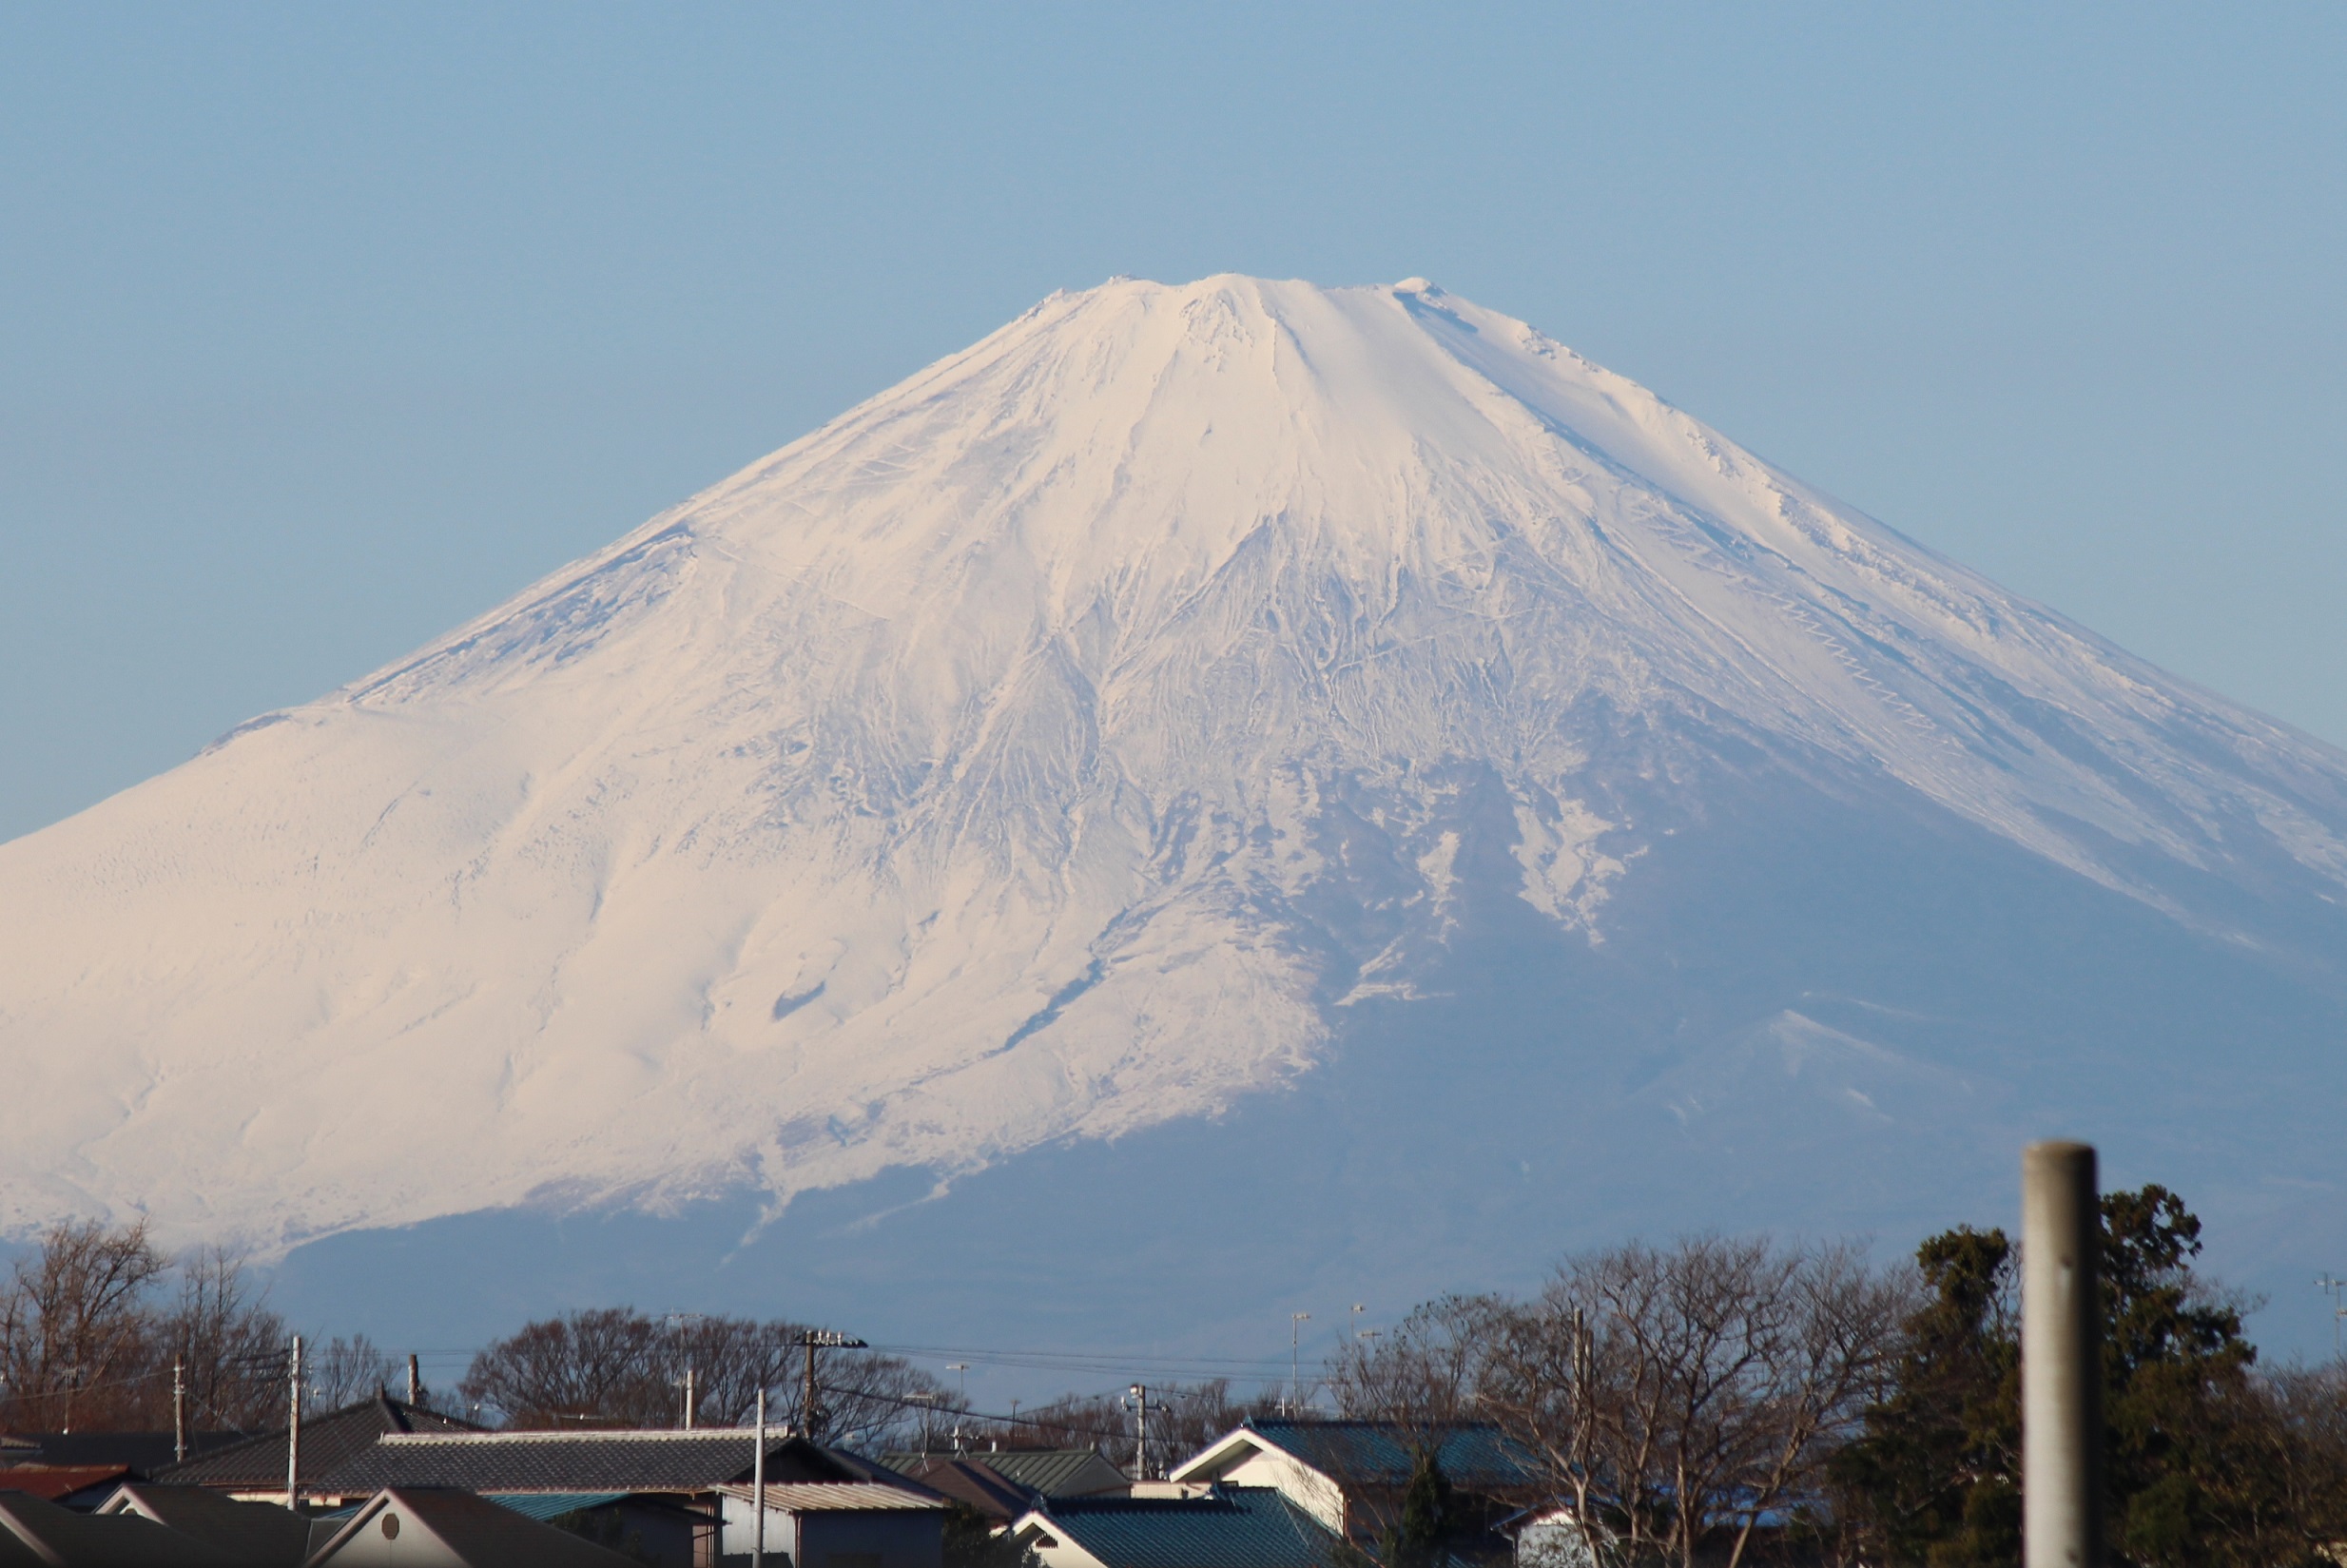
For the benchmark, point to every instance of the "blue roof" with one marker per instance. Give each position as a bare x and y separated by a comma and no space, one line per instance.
545,1505
1474,1454
1230,1527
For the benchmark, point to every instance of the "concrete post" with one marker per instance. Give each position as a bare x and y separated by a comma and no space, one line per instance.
2060,1359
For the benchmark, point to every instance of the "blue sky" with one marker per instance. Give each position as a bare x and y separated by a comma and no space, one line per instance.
323,328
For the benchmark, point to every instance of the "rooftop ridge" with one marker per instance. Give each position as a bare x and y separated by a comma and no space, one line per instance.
589,1434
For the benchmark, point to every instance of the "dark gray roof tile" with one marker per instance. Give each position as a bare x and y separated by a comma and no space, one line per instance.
1231,1527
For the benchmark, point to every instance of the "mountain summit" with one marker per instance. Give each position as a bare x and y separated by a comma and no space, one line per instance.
1184,696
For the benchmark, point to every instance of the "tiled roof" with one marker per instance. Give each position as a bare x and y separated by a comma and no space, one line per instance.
1476,1456
1230,1527
32,1531
258,1534
146,1452
653,1461
966,1480
55,1480
839,1497
1054,1472
328,1441
545,1505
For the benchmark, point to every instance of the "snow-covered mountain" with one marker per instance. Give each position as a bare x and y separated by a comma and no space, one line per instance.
1185,696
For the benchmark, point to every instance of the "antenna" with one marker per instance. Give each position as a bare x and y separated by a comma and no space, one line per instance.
2334,1288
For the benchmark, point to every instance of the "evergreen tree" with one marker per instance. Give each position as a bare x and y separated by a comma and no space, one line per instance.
1935,1479
1421,1536
972,1541
2183,1485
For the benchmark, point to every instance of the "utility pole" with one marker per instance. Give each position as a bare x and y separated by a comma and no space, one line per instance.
1583,1363
688,1399
2060,1359
179,1410
757,1489
1141,1431
2332,1285
415,1380
813,1340
293,1433
1295,1360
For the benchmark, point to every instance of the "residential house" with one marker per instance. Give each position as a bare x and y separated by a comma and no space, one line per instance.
258,1535
403,1527
35,1533
1350,1475
647,1527
1003,1484
1551,1537
1217,1526
254,1468
1057,1472
80,1487
145,1452
614,1474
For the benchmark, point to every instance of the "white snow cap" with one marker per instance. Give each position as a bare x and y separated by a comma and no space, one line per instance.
956,778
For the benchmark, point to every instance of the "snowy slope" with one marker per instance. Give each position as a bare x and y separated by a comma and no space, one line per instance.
983,770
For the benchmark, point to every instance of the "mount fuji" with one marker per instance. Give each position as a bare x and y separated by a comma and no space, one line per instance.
1215,795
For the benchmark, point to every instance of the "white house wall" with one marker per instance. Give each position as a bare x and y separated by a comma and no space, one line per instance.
1309,1490
414,1546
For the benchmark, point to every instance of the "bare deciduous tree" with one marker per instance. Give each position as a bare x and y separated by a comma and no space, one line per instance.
73,1324
1423,1373
231,1348
615,1366
343,1371
600,1366
1676,1397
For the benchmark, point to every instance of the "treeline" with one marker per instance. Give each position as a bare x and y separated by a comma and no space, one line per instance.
618,1367
1725,1401
1716,1399
93,1321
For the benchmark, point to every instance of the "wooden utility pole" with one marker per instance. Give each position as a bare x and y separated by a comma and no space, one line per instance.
814,1339
2060,1359
415,1380
179,1409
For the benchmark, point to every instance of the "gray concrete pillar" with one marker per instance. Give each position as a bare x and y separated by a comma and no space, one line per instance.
2060,1359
